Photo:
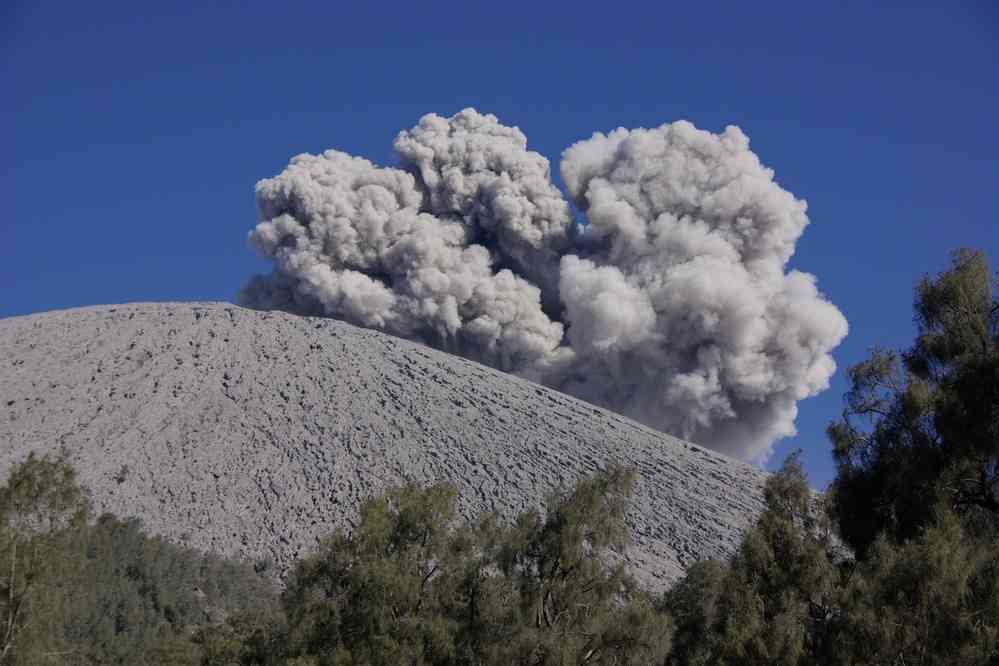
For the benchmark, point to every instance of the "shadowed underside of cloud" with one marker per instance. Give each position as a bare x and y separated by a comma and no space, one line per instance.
671,303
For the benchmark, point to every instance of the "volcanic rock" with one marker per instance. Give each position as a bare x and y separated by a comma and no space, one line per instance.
254,434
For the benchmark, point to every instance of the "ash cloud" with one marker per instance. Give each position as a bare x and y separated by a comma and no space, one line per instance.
671,303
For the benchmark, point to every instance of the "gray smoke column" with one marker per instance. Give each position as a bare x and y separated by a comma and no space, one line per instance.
670,304
355,241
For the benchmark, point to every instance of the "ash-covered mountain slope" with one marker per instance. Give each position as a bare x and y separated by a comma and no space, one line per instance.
255,433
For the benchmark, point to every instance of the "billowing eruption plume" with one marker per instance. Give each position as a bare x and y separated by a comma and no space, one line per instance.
670,304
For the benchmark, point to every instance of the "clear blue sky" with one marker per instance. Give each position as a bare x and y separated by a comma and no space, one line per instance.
131,139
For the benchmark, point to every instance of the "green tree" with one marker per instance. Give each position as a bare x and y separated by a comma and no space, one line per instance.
574,606
142,594
923,425
917,487
932,600
42,512
415,585
254,637
388,592
73,591
774,601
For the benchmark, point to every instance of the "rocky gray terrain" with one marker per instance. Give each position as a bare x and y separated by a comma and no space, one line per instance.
253,433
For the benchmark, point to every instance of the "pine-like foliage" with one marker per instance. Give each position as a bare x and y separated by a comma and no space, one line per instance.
78,591
414,585
923,425
773,601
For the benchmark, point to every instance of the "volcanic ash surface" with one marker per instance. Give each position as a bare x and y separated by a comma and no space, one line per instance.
254,434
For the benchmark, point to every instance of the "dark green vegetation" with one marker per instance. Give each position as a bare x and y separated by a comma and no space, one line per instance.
75,590
897,564
914,499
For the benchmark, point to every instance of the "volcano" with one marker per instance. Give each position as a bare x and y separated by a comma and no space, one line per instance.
254,434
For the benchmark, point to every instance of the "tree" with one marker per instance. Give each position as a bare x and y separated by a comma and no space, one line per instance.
143,596
931,600
923,425
917,487
574,607
254,637
77,591
413,584
774,601
387,593
42,511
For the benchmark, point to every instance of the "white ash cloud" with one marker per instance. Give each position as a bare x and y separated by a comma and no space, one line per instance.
353,241
702,333
478,172
671,304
